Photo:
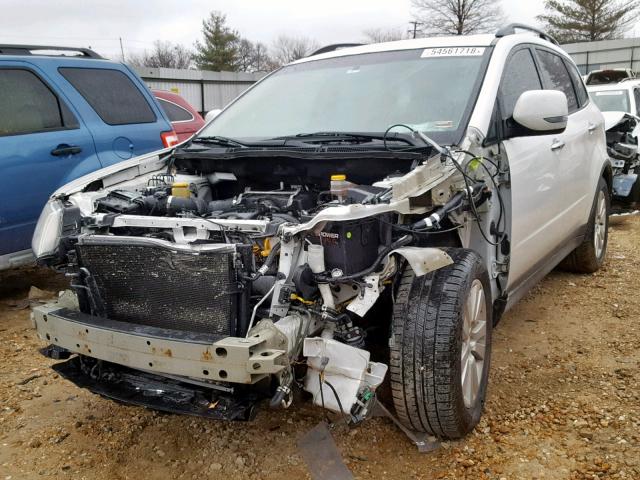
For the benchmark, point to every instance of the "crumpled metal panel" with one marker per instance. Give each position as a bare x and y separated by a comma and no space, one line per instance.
424,260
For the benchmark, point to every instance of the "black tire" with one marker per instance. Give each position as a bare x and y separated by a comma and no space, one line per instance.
585,259
426,347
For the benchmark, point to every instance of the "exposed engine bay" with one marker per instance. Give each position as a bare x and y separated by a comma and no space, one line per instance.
622,147
227,274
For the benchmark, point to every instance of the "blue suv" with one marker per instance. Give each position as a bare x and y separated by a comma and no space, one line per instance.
64,112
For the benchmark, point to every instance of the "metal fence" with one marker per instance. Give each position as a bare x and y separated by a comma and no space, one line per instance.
204,90
605,54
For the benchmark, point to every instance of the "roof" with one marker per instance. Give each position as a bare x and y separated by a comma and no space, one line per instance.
483,40
451,41
47,51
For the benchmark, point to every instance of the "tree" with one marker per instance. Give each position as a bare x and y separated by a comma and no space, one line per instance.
251,56
219,48
379,35
288,49
245,51
458,17
588,20
164,54
261,59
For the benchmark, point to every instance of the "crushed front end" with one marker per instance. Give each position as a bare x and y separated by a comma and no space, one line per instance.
622,148
203,285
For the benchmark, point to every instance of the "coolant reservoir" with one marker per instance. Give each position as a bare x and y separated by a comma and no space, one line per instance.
180,189
340,186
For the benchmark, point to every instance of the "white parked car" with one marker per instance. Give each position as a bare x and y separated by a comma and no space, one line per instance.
620,105
608,76
617,97
363,214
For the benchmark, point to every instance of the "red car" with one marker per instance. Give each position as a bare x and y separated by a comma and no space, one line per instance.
184,118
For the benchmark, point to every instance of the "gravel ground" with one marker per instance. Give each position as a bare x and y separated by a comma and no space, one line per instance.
563,402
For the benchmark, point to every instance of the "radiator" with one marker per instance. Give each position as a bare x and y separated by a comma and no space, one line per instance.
148,283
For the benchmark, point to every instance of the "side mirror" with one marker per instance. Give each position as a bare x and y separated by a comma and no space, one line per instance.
211,114
542,110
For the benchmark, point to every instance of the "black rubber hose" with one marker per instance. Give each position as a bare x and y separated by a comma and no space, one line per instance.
220,205
335,394
286,217
263,284
243,309
267,263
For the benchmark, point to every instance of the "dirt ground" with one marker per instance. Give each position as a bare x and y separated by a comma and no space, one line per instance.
563,403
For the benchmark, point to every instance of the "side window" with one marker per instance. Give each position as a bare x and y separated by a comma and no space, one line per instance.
520,75
175,112
556,77
112,94
636,96
578,84
27,105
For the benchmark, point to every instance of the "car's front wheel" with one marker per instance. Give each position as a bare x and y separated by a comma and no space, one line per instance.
589,256
440,346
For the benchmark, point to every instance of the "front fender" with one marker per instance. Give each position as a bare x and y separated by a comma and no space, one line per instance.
423,260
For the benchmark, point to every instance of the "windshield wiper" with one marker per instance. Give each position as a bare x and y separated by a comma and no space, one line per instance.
218,140
355,137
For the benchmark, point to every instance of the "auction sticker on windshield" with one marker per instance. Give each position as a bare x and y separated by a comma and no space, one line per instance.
452,52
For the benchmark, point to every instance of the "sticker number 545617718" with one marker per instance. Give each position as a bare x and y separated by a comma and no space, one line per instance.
452,52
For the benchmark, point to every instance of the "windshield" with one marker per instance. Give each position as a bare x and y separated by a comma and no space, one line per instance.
431,90
612,100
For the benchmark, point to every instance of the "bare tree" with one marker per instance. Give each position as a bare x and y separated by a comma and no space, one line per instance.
380,35
288,49
261,60
458,17
163,54
252,56
588,20
244,55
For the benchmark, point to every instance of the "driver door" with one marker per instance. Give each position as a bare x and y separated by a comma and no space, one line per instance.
534,160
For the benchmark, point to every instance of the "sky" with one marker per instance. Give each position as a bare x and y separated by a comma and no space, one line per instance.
101,23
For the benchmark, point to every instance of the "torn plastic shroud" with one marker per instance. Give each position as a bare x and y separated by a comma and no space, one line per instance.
159,393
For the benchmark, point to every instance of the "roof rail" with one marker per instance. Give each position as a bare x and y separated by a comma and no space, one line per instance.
30,49
335,46
512,27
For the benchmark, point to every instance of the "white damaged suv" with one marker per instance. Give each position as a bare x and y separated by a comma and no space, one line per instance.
360,216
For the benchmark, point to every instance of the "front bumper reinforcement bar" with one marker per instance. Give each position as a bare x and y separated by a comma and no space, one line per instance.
163,351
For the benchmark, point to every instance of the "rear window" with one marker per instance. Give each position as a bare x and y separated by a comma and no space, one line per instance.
27,105
581,91
112,94
175,112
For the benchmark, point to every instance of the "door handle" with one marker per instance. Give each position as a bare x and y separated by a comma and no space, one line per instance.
592,127
63,149
557,145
